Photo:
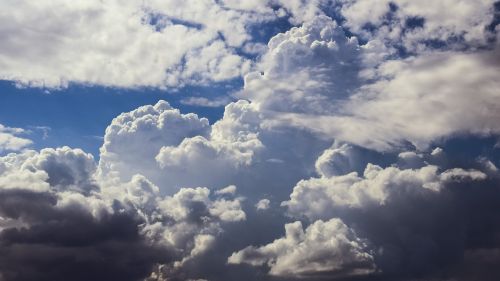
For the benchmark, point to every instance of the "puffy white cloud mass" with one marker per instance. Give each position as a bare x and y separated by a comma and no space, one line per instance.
133,43
10,139
263,204
317,77
323,248
377,186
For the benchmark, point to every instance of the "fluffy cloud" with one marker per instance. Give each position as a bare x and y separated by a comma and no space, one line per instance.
133,44
263,204
329,248
179,147
51,219
119,44
377,186
318,78
398,211
10,140
324,125
54,207
135,138
432,20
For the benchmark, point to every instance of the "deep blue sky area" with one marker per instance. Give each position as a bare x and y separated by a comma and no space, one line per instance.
78,115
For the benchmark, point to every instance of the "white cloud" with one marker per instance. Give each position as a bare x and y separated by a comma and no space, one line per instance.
323,248
206,102
317,78
174,150
230,189
114,44
131,44
10,140
338,160
178,174
320,198
442,20
133,139
423,99
62,169
263,204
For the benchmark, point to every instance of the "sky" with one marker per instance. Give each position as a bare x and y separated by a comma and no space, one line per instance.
192,140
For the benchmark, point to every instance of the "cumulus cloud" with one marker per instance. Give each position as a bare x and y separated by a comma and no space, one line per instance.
263,204
10,139
329,248
53,207
317,77
399,211
157,126
183,150
55,219
336,127
375,187
133,44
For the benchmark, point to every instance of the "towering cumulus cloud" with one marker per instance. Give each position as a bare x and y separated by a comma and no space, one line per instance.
363,144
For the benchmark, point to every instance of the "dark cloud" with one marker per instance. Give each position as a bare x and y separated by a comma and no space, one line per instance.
69,243
450,235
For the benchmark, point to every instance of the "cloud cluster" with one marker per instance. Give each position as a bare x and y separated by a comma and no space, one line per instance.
407,222
317,77
414,25
134,43
57,221
330,140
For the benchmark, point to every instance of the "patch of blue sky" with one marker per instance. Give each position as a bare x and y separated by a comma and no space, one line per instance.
78,115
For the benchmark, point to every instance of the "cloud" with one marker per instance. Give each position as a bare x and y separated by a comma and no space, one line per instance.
55,221
434,20
71,242
316,77
263,204
399,212
336,128
56,213
10,140
324,248
205,102
375,187
231,189
134,44
157,126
